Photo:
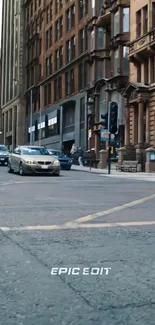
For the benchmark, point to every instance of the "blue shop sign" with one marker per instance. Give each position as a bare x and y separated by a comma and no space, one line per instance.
104,136
152,156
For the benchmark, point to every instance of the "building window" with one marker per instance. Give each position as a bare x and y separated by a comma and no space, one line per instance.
73,49
82,75
126,20
56,6
99,70
153,15
49,69
48,15
116,23
81,41
146,74
69,82
49,38
86,39
82,113
58,29
87,6
47,94
145,19
58,88
152,64
72,81
116,62
31,9
125,61
81,9
139,23
28,14
68,51
72,16
68,20
60,4
59,58
139,77
100,35
92,41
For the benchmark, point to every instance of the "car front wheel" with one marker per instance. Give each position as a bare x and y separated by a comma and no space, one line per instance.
21,170
10,170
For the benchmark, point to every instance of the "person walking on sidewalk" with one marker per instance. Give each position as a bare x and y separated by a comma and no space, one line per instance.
80,154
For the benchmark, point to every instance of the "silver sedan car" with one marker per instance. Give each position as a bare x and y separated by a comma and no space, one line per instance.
33,160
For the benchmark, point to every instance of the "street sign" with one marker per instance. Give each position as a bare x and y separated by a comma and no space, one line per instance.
104,136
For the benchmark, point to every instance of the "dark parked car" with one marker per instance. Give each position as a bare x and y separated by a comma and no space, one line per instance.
4,155
65,162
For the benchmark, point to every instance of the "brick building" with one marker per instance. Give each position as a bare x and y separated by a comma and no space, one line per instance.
140,92
108,59
57,72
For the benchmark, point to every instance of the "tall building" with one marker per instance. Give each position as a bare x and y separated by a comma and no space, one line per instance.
140,92
12,84
108,63
56,70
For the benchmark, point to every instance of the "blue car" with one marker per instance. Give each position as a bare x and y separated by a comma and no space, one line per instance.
65,162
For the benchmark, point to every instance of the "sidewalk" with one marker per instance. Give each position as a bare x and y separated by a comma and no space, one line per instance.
125,175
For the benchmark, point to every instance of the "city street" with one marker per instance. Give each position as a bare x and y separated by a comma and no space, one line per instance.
78,220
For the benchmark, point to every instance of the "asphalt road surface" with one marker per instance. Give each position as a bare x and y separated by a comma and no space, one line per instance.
86,223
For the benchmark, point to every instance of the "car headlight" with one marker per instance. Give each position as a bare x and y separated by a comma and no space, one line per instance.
56,163
30,162
70,160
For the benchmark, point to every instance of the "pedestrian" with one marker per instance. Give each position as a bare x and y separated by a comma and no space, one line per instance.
80,154
73,149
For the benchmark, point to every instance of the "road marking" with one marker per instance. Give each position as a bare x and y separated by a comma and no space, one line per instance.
112,210
77,226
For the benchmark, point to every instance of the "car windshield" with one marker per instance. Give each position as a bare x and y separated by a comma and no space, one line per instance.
3,148
57,153
35,151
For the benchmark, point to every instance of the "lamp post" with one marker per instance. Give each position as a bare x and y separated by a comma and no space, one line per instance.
90,120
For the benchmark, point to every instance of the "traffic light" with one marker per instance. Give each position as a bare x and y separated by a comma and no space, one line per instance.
113,116
104,121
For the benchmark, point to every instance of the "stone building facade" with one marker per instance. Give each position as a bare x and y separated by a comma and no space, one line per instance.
12,74
108,59
140,92
57,72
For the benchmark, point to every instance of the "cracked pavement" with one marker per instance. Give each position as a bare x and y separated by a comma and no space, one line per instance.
30,295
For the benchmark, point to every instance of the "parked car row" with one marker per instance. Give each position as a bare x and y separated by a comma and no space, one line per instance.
65,162
34,160
4,155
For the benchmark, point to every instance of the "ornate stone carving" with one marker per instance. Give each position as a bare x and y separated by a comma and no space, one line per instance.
142,41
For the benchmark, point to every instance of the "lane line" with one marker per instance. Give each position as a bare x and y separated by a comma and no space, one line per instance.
77,226
112,210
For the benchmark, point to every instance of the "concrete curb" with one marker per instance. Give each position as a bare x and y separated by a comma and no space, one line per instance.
87,171
140,177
